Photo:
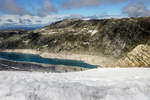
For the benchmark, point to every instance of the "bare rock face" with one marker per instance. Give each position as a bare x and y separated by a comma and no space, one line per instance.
138,57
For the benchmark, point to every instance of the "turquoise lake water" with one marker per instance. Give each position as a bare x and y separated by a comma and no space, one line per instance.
39,59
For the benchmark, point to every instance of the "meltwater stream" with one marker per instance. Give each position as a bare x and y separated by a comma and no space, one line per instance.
39,59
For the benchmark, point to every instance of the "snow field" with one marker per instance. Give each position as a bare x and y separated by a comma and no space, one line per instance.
95,84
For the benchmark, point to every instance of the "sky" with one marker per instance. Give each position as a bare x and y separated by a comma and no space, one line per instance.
74,8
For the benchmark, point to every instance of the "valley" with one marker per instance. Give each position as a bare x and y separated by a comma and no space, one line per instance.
99,42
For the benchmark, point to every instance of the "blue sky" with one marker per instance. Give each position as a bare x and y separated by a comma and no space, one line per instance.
44,12
75,7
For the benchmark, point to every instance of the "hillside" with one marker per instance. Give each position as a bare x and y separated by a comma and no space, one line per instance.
107,37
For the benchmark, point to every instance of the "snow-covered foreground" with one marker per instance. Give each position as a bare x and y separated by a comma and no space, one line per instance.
95,84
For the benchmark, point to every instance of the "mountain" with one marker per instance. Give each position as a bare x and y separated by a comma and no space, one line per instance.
108,37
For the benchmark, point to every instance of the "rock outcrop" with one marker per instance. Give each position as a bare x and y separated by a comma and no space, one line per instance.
138,57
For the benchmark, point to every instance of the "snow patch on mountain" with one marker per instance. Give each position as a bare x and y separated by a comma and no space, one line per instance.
95,84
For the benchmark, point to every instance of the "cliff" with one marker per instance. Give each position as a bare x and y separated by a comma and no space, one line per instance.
138,57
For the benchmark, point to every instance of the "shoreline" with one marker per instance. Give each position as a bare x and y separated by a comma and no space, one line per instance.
100,61
9,65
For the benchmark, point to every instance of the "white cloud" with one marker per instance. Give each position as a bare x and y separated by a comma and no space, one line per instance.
136,10
29,20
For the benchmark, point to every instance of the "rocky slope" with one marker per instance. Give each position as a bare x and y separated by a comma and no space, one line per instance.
106,37
140,56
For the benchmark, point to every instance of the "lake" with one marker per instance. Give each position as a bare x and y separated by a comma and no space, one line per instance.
38,59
